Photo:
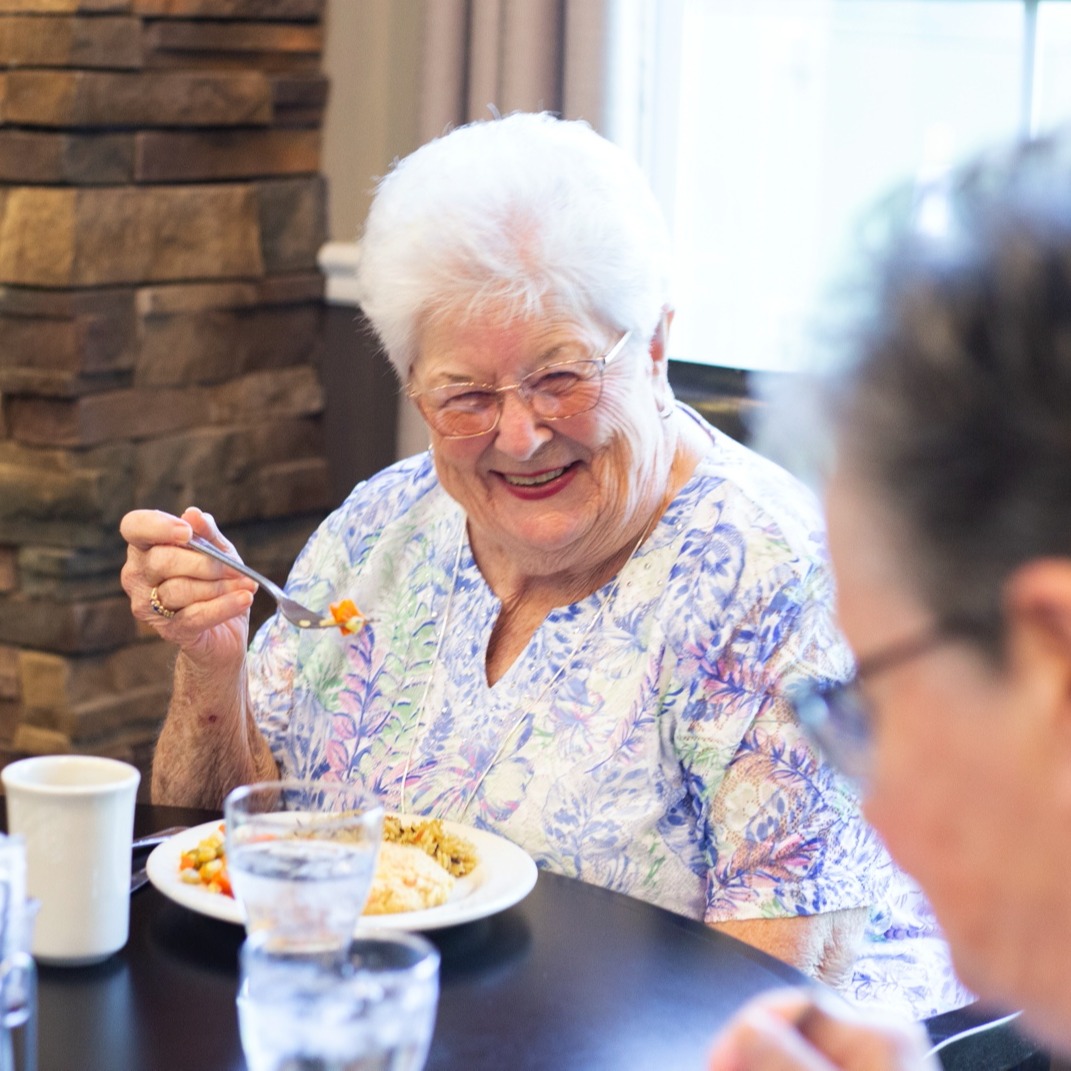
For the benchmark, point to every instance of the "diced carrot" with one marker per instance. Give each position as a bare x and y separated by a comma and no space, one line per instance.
347,616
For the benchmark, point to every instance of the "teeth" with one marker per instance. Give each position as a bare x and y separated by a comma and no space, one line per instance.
534,481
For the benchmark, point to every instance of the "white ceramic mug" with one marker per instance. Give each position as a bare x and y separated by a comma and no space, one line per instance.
77,815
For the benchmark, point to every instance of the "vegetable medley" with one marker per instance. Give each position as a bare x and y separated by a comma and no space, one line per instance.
206,864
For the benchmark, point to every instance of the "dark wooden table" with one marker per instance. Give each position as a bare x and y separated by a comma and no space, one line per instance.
574,978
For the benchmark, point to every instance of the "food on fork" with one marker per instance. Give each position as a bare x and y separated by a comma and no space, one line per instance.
418,864
347,616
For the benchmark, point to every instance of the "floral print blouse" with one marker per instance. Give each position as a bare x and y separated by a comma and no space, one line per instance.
642,740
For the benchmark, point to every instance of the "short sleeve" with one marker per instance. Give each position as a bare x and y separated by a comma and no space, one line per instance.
784,834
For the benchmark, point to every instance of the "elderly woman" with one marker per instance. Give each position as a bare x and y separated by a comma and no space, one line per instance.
950,527
584,605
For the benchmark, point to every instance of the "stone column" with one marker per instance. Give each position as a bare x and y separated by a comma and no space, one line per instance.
160,328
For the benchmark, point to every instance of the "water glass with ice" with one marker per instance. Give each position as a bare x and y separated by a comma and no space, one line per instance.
369,1007
18,974
301,855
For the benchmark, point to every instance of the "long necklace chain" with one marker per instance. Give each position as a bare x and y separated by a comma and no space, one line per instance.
529,705
455,572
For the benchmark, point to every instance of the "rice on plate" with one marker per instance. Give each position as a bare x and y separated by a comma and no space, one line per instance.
418,864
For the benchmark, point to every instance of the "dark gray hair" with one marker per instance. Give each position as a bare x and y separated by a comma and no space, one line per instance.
956,406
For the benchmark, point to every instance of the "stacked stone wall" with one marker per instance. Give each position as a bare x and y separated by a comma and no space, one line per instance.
161,328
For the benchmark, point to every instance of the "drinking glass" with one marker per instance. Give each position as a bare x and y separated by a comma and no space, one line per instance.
301,856
18,973
369,1007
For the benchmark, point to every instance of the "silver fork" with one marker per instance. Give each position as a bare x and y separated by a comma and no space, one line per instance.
293,611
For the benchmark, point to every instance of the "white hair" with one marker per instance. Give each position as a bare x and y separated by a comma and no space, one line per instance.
526,213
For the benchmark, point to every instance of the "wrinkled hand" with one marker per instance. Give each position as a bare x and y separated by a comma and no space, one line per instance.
810,1030
208,603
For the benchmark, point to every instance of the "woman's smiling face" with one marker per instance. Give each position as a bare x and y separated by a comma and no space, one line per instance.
561,495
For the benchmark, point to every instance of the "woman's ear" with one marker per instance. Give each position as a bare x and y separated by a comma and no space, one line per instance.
1037,600
659,348
659,352
1037,610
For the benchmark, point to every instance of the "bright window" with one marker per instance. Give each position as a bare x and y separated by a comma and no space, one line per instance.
770,126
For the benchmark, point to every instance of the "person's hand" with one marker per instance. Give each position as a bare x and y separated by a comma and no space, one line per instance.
188,598
809,1030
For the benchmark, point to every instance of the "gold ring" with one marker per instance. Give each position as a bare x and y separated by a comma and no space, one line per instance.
158,607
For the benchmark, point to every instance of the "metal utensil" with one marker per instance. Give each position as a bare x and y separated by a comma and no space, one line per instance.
293,611
140,876
158,837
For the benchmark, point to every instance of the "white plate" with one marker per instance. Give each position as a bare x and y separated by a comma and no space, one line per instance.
504,875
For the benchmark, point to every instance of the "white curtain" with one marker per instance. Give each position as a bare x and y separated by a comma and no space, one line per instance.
511,55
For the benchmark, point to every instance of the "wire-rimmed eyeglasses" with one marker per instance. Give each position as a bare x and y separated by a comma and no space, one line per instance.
839,718
553,392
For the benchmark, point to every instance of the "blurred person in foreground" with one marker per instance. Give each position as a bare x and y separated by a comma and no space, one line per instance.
949,514
585,606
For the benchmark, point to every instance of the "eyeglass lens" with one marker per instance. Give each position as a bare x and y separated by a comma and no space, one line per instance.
553,392
838,721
